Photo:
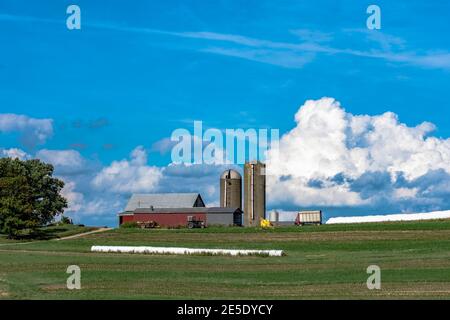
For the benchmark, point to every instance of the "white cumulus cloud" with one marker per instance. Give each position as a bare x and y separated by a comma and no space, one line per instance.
61,158
80,205
335,158
32,131
75,199
14,153
133,175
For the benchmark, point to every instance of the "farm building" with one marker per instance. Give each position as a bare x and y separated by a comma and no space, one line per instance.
177,209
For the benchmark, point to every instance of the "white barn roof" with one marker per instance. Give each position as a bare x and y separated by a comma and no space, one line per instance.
164,200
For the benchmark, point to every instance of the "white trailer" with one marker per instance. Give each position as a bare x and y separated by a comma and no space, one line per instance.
308,217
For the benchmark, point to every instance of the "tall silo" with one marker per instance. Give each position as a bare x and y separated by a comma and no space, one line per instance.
231,189
254,193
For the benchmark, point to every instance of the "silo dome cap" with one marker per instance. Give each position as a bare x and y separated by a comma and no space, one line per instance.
230,174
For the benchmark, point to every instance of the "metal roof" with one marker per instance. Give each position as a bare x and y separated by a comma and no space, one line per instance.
172,210
163,200
212,210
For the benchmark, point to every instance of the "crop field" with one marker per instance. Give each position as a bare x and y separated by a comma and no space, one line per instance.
321,262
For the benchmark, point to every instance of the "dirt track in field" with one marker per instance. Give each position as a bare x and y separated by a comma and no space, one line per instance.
84,234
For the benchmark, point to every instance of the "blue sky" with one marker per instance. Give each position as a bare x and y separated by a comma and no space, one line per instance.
135,72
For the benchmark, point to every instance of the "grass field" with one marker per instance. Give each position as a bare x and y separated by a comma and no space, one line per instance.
50,232
321,262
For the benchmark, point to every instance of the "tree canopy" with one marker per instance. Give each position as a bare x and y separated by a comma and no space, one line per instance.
29,195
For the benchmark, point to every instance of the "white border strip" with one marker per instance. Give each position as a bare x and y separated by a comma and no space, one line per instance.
169,250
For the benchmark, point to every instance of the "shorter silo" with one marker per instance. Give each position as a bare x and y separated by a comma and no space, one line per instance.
231,189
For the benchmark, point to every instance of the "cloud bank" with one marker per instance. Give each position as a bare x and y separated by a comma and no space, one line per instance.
334,158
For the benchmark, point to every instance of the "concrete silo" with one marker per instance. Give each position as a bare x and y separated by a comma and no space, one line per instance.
254,193
231,189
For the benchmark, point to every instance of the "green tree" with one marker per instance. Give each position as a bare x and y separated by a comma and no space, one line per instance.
29,195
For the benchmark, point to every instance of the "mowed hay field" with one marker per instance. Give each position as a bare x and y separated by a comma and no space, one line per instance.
321,262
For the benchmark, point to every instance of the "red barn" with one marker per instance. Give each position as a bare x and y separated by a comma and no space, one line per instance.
176,210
